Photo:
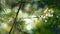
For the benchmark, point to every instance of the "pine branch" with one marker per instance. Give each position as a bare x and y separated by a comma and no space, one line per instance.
20,5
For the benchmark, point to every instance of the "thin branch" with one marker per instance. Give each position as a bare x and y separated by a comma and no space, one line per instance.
20,5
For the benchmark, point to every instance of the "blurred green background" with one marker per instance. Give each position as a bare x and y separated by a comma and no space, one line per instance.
35,16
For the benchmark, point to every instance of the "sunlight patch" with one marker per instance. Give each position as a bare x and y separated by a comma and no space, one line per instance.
29,23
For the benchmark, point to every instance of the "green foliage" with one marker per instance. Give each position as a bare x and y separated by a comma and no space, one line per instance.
48,25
